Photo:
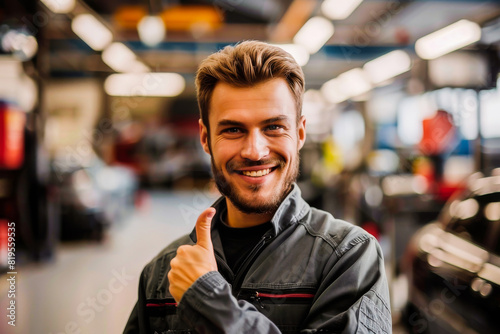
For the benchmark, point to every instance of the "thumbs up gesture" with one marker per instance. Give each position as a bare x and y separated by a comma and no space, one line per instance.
192,262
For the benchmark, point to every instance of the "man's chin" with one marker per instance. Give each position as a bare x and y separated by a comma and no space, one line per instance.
258,201
254,207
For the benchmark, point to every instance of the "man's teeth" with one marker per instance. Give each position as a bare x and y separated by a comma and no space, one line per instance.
255,173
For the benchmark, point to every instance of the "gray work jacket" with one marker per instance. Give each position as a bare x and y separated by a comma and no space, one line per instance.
311,273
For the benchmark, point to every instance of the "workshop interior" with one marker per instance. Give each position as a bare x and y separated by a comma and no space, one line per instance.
101,164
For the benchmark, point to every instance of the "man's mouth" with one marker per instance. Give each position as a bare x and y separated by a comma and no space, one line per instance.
256,173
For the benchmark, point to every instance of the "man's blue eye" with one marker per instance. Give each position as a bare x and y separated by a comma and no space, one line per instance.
274,127
232,130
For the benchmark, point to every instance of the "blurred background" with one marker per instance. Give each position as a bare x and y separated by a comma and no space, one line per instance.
101,166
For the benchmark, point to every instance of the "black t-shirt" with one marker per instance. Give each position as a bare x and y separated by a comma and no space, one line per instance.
239,242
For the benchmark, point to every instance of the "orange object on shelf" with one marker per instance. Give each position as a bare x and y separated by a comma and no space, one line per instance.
180,18
128,16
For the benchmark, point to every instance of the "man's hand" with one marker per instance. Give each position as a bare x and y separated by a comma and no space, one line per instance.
192,262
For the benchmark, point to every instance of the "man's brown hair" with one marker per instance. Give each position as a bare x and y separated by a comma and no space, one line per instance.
244,65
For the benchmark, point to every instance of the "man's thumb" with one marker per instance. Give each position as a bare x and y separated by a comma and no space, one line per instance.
203,227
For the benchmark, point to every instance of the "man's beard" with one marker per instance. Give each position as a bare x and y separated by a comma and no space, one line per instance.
270,205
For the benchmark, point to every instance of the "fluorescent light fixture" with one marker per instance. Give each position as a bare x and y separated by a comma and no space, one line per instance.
332,91
314,34
144,84
298,52
91,31
354,82
118,57
121,59
137,66
15,85
60,6
21,45
349,84
448,39
387,66
339,9
151,30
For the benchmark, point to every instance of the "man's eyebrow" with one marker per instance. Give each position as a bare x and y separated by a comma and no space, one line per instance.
229,122
275,119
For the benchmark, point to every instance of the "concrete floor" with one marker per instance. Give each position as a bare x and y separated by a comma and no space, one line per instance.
90,287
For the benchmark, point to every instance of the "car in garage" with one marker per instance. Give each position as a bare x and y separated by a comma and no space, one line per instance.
453,265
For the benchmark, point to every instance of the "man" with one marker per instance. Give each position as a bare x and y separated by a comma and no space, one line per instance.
260,259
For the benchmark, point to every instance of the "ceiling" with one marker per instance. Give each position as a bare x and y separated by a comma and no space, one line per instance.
374,28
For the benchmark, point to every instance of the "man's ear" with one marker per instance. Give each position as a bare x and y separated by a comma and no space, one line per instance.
204,136
301,131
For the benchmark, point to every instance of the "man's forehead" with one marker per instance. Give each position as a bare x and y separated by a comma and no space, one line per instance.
272,97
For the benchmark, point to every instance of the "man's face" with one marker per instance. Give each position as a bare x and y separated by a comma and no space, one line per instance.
254,143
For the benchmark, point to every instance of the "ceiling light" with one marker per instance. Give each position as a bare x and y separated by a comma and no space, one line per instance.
354,82
16,86
314,34
339,9
387,66
448,39
91,31
118,57
137,66
21,45
349,84
144,84
298,52
151,30
121,59
60,6
332,92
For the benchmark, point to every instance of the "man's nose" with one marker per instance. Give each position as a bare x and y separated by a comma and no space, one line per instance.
255,146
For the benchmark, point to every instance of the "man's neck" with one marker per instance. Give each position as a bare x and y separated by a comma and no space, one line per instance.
238,219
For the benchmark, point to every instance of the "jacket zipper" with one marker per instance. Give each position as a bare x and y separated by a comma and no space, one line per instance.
160,304
243,268
261,297
284,295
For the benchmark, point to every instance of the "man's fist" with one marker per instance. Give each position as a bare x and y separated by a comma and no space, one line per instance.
192,262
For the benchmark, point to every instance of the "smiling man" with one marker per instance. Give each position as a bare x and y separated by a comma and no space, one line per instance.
260,260
254,142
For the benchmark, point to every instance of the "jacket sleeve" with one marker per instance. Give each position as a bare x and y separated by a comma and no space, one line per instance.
354,295
209,307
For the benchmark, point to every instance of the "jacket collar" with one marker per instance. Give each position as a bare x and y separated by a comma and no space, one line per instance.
291,210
